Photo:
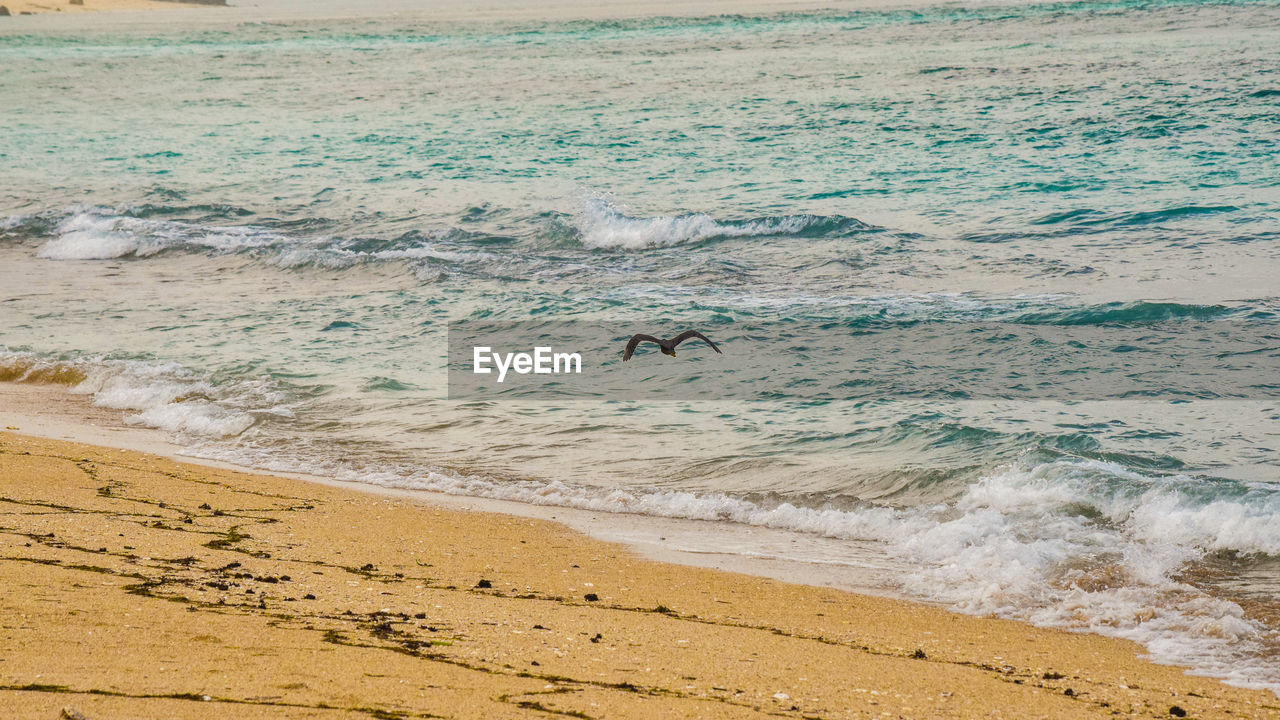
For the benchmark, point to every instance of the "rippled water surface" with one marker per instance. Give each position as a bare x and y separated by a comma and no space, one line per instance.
252,230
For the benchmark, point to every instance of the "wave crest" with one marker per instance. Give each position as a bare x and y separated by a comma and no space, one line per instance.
102,234
165,396
1126,313
602,226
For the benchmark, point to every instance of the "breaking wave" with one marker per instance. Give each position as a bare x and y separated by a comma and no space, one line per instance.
1131,313
602,226
101,234
165,396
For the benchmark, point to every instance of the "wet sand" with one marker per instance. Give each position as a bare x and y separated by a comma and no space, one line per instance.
131,584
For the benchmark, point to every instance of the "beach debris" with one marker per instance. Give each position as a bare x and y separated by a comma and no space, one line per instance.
484,584
781,696
68,712
919,655
1069,692
591,597
308,596
1177,711
206,506
597,638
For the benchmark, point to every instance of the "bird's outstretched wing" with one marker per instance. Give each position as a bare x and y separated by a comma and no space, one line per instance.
693,334
636,340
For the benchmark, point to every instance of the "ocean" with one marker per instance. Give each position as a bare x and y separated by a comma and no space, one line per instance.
252,228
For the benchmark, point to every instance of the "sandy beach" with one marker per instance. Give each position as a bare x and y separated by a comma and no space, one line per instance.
135,585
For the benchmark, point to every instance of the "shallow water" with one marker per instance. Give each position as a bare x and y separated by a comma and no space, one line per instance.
253,230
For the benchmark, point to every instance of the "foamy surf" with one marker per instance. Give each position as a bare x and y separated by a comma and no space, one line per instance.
165,396
101,234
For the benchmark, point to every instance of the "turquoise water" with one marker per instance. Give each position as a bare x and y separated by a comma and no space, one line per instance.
252,230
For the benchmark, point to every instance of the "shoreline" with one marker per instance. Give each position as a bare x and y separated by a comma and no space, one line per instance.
829,652
49,411
147,585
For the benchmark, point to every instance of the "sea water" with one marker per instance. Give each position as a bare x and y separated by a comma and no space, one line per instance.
252,227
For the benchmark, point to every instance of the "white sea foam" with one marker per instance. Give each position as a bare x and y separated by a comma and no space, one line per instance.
325,254
13,221
1092,546
171,398
602,226
162,395
102,233
198,418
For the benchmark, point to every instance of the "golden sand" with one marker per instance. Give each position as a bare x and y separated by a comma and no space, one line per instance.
135,586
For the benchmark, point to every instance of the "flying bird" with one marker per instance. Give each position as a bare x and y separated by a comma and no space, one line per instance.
667,346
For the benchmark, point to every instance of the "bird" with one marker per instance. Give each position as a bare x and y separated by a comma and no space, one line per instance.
667,346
